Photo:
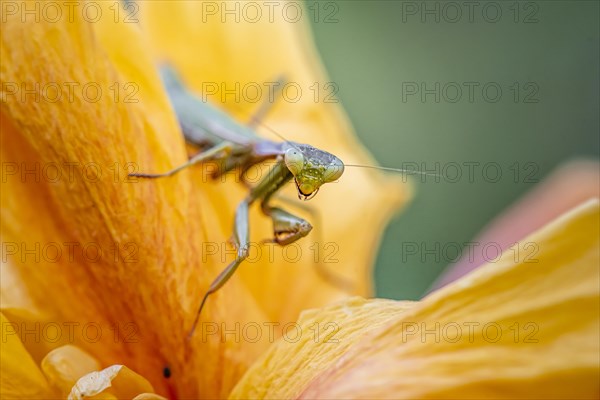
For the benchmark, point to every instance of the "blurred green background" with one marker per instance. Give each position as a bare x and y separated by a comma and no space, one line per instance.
542,55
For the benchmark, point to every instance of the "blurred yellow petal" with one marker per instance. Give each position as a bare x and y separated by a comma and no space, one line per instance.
37,333
526,326
118,381
252,53
20,378
12,292
65,365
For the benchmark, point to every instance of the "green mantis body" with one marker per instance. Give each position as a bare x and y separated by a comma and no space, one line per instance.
233,145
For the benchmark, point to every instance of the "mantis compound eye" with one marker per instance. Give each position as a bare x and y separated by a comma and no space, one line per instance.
294,160
334,171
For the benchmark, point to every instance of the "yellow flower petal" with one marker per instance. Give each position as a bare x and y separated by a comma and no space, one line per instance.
320,337
65,365
37,333
118,381
512,329
20,378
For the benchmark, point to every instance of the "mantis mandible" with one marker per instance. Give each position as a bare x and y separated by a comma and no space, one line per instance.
233,145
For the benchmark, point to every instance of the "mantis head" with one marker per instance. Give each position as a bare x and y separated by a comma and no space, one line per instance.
311,168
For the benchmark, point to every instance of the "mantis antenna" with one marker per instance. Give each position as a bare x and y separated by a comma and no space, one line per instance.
400,170
257,120
403,171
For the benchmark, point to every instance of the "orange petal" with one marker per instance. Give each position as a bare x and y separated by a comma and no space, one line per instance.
512,329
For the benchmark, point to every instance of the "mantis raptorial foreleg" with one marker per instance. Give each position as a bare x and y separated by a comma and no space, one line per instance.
287,228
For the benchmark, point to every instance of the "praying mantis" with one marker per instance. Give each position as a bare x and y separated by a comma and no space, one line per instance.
233,145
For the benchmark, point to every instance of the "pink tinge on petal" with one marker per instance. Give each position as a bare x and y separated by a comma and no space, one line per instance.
571,184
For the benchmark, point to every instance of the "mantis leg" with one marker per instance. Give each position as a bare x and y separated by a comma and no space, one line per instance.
221,150
314,213
287,228
241,242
